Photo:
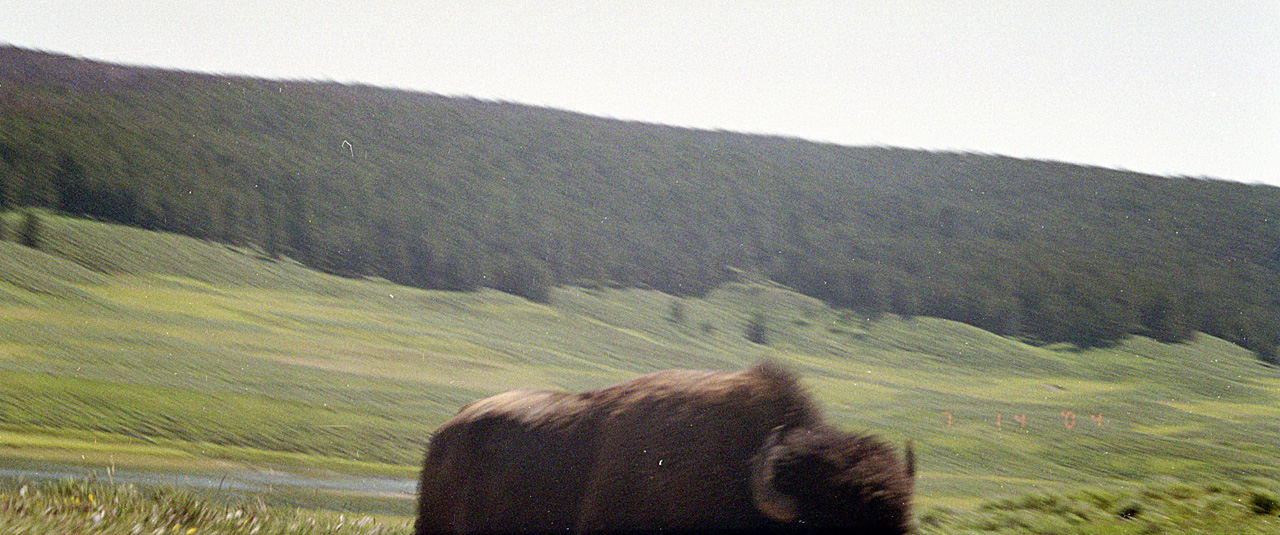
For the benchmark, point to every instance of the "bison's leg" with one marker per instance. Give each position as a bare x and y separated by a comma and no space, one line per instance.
494,475
533,477
608,504
443,473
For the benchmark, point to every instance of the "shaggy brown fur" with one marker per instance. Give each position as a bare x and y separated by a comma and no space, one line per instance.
672,450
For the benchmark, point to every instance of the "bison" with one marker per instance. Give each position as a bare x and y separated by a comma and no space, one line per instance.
672,451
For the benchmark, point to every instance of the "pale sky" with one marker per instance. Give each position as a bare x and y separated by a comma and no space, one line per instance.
1164,87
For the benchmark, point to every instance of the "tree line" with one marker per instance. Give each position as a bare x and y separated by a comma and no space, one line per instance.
457,193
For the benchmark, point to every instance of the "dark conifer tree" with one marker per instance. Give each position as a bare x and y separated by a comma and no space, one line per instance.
757,330
676,311
32,230
1166,319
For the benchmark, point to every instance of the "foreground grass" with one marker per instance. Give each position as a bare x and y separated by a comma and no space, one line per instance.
100,508
1166,507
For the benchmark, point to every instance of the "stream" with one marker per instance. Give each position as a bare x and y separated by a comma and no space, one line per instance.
298,487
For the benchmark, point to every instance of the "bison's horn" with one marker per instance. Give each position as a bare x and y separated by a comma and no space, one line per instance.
768,499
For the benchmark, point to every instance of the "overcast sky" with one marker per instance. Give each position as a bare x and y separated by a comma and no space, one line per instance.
1173,88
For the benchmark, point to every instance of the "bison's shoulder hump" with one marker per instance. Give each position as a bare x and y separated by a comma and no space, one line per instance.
766,376
765,387
526,406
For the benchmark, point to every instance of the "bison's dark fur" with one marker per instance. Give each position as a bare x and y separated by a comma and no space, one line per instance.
673,451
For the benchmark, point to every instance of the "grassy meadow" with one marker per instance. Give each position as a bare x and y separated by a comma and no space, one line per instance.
126,348
85,507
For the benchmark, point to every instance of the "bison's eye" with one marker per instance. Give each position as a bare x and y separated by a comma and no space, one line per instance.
805,475
790,475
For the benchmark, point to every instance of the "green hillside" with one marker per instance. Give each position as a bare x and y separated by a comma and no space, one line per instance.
454,193
133,346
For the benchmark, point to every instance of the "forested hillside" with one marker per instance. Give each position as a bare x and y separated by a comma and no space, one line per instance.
442,192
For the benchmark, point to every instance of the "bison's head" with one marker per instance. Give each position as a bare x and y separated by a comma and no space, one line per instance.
824,478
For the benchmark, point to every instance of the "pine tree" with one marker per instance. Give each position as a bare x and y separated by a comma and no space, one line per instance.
1267,353
677,312
1165,320
32,230
757,330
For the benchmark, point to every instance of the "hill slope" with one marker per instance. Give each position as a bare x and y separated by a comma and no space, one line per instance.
146,342
454,193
